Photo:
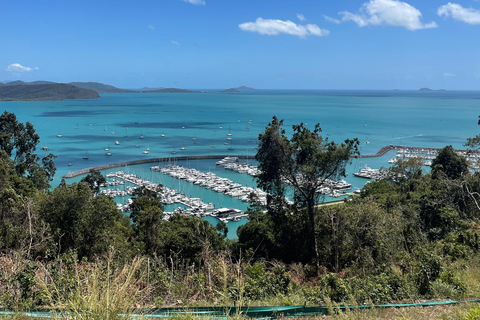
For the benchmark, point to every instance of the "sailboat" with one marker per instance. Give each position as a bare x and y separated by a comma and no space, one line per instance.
85,157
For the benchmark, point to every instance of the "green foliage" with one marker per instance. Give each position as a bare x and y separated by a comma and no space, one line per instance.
261,283
80,221
448,162
20,141
94,180
187,238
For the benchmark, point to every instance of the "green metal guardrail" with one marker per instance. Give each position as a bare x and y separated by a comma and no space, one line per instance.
252,312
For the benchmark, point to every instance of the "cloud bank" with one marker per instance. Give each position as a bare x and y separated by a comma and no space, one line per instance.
387,13
457,12
273,27
17,67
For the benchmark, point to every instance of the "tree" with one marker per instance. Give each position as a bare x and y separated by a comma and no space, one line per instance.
406,172
94,180
450,163
304,162
146,215
20,141
80,221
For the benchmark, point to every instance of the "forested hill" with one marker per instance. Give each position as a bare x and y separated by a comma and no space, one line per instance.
99,87
51,91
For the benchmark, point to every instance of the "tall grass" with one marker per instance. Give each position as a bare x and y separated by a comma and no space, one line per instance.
98,291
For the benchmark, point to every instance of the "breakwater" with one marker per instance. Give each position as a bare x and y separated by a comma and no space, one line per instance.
380,153
151,160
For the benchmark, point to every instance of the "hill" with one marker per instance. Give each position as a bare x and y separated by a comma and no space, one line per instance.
243,88
230,90
51,91
99,87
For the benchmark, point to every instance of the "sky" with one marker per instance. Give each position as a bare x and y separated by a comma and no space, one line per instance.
265,44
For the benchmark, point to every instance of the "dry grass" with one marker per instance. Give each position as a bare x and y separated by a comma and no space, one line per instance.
100,291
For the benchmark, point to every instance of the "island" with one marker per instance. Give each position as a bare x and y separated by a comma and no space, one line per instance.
169,90
230,90
238,89
428,89
49,91
99,87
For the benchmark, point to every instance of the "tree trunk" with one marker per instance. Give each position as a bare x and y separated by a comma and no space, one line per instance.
313,237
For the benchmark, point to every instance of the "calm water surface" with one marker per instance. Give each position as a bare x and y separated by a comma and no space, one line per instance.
198,121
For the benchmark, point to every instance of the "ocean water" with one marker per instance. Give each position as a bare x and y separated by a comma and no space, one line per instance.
196,121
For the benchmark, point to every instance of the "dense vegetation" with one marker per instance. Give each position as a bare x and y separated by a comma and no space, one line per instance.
50,91
410,236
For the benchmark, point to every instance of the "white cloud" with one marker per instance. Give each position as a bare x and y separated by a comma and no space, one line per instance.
17,67
449,75
301,17
273,27
457,12
175,42
197,2
389,13
151,26
330,19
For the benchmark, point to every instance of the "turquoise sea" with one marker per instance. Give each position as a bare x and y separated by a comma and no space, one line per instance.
197,121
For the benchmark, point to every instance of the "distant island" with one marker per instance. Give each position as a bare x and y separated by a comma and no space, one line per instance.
242,88
47,91
99,87
428,89
169,90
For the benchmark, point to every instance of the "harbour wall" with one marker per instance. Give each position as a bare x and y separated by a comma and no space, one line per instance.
74,174
151,160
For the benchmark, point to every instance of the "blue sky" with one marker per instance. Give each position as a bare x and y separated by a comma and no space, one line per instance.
282,44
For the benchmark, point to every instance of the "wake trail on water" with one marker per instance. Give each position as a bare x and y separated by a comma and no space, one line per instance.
416,135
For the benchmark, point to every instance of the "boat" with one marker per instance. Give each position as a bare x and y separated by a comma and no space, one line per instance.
107,149
69,164
108,153
183,148
85,157
162,135
45,148
369,173
146,152
226,160
173,152
393,160
117,143
59,135
213,146
141,137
